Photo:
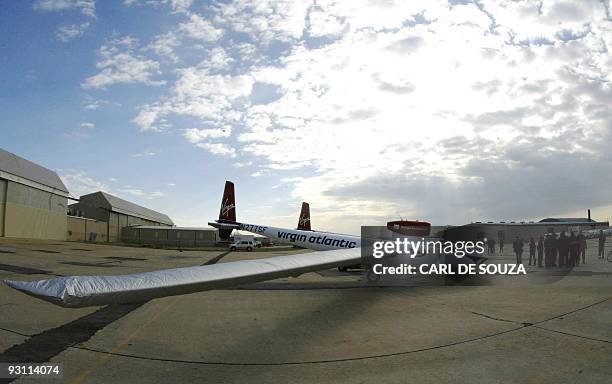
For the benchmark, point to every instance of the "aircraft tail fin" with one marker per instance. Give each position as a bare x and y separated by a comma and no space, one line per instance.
228,204
304,221
227,213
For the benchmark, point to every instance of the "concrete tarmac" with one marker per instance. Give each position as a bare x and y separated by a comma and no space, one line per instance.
321,327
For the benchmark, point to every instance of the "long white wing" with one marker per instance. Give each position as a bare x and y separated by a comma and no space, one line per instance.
86,291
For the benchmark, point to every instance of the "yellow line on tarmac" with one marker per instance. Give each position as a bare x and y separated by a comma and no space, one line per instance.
107,356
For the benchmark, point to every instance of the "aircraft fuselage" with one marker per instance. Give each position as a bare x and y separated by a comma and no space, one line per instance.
319,241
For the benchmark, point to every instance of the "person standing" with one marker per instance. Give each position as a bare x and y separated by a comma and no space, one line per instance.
555,250
518,250
532,251
602,244
574,250
563,248
540,248
583,247
550,248
501,245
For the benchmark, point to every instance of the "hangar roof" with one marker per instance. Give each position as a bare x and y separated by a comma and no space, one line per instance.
116,204
22,168
566,220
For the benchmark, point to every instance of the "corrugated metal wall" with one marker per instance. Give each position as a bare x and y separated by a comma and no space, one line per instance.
96,207
114,229
81,229
2,204
130,235
132,220
92,208
153,236
181,238
119,221
32,213
174,237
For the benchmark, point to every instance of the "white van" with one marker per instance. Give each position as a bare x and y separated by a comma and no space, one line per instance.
249,245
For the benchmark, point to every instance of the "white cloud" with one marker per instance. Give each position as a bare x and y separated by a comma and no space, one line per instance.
195,135
194,83
119,63
219,59
79,183
178,6
87,7
93,104
421,90
220,149
132,191
418,93
88,125
264,19
261,173
181,5
69,32
248,52
145,153
165,44
199,28
198,94
322,23
195,28
532,20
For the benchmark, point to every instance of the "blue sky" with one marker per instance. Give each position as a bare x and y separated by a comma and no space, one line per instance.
48,114
433,110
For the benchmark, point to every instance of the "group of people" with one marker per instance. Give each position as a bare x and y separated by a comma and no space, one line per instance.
552,251
565,251
491,246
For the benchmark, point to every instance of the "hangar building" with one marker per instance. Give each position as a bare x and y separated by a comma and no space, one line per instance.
116,213
181,237
507,232
33,200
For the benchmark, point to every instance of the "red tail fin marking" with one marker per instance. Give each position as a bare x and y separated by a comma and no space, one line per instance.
228,203
304,221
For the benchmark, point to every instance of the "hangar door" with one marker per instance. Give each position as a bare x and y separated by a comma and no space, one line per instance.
2,205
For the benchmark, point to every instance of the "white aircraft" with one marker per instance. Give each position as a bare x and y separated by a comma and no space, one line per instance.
335,250
332,250
318,241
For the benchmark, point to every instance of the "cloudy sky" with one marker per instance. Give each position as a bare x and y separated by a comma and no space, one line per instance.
447,111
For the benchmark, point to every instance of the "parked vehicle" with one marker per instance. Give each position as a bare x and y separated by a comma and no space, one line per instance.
247,245
241,237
